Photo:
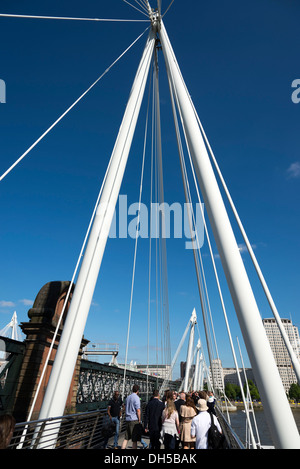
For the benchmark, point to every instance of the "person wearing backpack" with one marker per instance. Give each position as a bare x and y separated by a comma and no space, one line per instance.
201,424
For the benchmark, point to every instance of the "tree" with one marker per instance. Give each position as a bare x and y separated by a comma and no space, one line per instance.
252,389
232,391
294,392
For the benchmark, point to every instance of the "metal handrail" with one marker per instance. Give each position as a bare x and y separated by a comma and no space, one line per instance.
232,439
77,431
83,431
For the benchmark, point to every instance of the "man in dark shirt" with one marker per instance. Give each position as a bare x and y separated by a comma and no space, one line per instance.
114,411
153,420
179,402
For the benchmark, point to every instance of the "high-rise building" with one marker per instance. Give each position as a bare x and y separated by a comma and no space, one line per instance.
280,352
216,375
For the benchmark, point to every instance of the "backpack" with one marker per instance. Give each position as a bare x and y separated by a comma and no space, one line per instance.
215,439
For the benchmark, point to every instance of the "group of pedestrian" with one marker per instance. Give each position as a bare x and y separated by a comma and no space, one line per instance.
177,421
133,414
189,414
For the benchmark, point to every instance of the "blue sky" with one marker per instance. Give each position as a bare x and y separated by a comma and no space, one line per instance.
238,61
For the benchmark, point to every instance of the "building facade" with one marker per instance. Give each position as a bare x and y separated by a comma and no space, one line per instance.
281,355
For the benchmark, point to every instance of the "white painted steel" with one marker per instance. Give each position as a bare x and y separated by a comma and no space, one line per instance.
64,364
168,378
281,422
201,373
197,366
193,321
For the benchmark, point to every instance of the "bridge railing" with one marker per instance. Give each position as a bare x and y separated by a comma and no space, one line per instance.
232,439
77,431
83,431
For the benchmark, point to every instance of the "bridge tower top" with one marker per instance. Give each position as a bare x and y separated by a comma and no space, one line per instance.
11,330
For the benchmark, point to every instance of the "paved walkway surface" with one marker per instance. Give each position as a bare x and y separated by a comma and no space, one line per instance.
129,445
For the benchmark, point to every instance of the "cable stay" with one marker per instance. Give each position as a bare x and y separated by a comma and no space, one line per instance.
161,222
8,15
204,297
248,401
135,249
69,109
161,253
293,357
196,250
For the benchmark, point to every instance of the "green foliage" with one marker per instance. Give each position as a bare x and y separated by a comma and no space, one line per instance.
233,391
253,390
294,392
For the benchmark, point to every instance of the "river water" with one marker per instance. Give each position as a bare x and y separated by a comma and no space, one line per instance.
238,423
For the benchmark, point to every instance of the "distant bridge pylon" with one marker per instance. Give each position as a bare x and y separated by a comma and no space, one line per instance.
11,330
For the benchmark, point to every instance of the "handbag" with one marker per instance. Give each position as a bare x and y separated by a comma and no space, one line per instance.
215,439
137,432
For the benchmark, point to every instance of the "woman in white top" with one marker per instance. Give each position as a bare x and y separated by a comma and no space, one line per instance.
170,426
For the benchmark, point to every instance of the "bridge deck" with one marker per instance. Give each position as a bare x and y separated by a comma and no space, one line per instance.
129,445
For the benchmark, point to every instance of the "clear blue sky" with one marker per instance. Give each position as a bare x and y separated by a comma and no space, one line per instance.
238,60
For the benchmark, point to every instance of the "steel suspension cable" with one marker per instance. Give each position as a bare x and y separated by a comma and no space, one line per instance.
69,109
196,251
142,5
267,292
215,271
135,251
165,296
128,3
8,15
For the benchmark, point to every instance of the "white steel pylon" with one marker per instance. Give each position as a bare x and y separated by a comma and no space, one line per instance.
168,378
193,322
11,329
197,366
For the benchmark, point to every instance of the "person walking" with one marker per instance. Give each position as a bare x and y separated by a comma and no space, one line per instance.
170,426
132,418
187,413
211,402
153,419
114,411
180,401
201,424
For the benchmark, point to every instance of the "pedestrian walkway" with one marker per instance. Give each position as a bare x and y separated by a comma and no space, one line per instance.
129,445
